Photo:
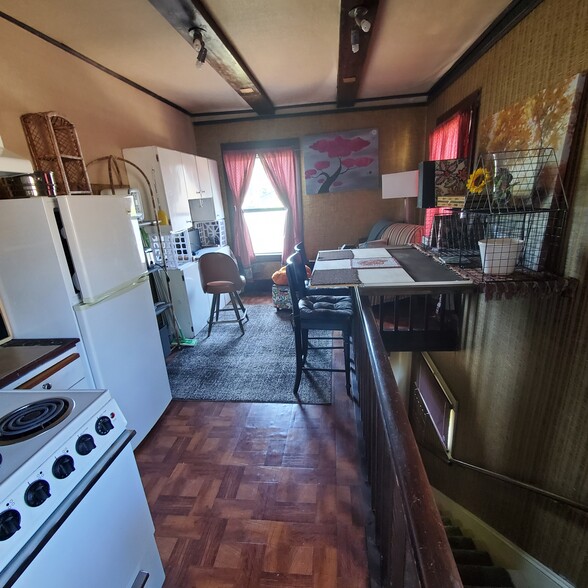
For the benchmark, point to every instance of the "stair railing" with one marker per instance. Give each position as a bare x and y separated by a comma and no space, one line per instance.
414,548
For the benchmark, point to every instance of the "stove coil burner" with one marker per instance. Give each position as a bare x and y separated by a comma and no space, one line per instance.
32,419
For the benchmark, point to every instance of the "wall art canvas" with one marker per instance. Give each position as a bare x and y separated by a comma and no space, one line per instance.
341,162
547,119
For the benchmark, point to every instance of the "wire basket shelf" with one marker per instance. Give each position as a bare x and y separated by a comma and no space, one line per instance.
516,181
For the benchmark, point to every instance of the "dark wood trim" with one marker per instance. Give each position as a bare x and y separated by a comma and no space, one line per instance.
222,56
261,145
468,102
91,62
301,114
512,15
351,65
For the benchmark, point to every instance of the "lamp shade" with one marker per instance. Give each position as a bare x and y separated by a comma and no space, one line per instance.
400,185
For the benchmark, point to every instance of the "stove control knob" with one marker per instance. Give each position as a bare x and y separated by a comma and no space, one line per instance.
9,523
63,466
104,425
85,444
37,493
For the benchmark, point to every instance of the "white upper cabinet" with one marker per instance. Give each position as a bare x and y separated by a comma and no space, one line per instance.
210,206
165,170
216,189
191,176
186,187
203,176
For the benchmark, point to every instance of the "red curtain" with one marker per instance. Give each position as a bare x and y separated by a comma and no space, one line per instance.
239,168
449,140
280,166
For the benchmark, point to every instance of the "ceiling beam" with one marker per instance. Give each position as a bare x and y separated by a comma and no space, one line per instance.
222,55
351,64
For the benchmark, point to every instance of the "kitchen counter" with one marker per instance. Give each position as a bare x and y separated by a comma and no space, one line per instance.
20,356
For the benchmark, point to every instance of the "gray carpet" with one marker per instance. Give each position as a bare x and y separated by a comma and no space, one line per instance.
259,366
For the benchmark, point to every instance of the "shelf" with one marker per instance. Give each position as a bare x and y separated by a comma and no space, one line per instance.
522,283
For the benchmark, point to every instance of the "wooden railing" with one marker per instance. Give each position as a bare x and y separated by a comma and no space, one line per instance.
413,545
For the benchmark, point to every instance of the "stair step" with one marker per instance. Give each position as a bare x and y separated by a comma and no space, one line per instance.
472,556
472,575
461,542
446,521
452,531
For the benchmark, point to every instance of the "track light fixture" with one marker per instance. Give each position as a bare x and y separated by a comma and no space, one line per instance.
354,40
358,14
199,45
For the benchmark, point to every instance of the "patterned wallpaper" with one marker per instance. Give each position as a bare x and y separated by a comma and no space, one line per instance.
522,377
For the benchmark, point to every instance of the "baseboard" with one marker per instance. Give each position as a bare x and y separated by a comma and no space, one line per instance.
525,570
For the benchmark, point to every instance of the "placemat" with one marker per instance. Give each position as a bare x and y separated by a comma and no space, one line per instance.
334,255
374,262
334,277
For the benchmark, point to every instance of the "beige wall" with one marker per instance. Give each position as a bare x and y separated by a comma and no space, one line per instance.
108,114
522,378
342,217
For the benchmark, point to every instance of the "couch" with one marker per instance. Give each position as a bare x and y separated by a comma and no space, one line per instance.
388,233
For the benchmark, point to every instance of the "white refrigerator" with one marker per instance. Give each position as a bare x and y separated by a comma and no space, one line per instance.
71,266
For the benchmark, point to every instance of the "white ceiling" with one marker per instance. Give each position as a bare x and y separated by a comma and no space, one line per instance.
290,46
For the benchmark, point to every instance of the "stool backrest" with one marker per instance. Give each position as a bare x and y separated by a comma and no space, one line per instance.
296,272
299,248
216,266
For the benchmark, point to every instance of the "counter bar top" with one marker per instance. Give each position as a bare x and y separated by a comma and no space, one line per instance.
20,356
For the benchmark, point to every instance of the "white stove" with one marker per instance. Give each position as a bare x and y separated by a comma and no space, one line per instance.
63,457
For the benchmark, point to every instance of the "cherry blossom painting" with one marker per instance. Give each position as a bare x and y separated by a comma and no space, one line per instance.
341,162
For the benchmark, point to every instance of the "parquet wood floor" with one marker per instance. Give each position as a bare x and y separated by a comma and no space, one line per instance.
251,495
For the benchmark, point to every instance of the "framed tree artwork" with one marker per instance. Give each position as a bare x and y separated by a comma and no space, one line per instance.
341,162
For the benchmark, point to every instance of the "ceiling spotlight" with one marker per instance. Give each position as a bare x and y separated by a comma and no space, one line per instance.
198,44
358,13
200,60
354,40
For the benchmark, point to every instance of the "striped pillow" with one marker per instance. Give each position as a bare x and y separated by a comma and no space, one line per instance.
402,234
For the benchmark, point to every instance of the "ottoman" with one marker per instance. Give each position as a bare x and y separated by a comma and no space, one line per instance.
281,297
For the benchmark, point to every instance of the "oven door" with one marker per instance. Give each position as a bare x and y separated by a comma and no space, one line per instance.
103,535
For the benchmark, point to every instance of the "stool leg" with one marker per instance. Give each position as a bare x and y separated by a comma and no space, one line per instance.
304,345
236,309
347,354
299,361
215,299
217,305
240,303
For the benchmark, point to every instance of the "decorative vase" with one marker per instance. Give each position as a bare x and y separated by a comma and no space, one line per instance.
500,256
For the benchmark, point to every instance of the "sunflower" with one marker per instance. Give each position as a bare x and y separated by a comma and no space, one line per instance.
478,180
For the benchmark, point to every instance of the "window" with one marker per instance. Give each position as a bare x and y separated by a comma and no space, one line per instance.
264,213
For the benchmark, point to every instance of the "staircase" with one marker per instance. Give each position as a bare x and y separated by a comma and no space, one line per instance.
475,567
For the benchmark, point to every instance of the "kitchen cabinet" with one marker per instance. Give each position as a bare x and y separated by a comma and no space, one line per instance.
190,303
165,169
209,207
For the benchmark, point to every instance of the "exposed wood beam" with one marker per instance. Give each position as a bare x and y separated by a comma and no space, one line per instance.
351,64
222,55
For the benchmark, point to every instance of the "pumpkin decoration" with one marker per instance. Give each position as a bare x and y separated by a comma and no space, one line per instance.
280,278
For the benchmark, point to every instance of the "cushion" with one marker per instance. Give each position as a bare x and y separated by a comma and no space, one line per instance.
402,234
326,307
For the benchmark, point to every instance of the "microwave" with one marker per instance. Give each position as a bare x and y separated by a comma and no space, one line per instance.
5,332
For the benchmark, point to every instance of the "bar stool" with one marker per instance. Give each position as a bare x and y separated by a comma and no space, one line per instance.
219,274
320,312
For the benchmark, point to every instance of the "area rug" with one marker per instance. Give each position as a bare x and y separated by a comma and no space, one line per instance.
259,366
